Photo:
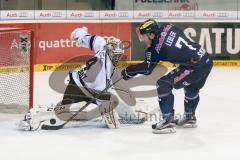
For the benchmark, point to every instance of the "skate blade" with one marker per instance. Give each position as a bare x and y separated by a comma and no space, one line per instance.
189,126
132,121
164,131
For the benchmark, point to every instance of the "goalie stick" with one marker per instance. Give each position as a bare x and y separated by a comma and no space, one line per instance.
49,127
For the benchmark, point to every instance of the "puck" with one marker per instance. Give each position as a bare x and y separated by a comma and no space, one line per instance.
53,121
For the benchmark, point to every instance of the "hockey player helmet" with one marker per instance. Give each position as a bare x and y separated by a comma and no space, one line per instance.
114,49
148,26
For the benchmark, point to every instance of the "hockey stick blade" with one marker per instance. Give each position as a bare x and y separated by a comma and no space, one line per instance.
48,127
57,127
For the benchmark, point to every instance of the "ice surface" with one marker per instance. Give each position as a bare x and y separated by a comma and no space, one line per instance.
217,136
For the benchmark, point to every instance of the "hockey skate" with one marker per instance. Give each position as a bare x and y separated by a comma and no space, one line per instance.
165,126
188,120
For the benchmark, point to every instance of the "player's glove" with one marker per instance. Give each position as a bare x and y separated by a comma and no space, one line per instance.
125,75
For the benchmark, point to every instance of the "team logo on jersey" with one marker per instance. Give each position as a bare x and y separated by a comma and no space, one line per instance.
182,76
186,83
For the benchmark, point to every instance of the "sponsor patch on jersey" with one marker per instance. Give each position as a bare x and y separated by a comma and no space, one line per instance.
162,37
148,56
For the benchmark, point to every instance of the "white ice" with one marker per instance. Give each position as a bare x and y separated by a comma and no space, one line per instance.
217,136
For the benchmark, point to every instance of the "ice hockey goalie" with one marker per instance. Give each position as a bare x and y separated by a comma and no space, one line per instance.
85,85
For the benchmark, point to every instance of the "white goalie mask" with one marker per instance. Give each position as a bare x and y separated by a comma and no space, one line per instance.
114,48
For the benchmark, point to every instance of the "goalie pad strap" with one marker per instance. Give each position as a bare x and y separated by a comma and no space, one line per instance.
83,84
91,42
94,93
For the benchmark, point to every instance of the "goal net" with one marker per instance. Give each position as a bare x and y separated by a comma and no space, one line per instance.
16,69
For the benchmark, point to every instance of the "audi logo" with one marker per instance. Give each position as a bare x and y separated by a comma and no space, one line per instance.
157,14
222,14
57,14
23,14
123,14
88,14
187,14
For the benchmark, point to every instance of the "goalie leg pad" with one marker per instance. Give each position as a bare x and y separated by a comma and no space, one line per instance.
109,115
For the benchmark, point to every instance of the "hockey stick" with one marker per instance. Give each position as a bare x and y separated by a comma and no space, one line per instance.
49,127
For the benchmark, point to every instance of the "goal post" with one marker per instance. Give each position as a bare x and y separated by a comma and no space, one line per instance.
16,69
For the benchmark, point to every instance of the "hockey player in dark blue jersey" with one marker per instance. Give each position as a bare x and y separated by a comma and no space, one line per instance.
168,43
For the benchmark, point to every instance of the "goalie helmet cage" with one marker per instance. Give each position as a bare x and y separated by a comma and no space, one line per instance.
16,69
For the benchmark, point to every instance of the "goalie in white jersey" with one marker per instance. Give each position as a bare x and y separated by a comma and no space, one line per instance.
95,76
87,85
